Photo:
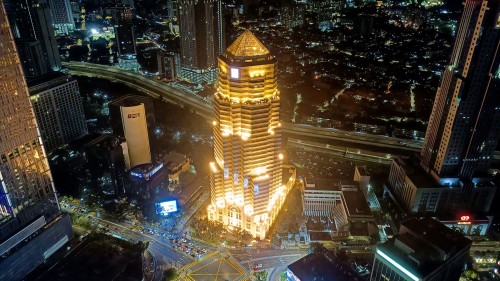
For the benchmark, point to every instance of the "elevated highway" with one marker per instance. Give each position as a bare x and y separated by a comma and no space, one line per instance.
159,89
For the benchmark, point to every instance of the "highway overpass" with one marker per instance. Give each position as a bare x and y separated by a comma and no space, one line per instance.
158,89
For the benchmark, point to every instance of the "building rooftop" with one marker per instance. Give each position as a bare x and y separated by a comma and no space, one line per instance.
416,173
247,46
323,184
422,245
47,81
174,159
356,204
322,267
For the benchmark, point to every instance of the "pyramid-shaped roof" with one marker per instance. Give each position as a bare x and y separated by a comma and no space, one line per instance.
247,45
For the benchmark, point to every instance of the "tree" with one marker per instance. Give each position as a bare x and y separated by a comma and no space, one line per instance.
316,247
170,274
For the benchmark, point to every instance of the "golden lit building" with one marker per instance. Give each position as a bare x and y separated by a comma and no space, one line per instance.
246,176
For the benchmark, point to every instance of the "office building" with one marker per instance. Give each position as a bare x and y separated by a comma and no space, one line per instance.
58,109
168,65
32,226
147,180
246,179
202,39
32,27
423,250
353,215
115,114
62,16
123,17
464,127
320,196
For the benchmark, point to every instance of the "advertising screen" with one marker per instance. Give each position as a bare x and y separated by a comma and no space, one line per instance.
166,207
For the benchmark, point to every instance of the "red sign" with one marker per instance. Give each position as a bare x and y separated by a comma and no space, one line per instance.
465,218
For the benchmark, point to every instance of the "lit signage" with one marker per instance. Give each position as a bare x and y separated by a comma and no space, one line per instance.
133,115
235,73
139,175
155,170
465,218
397,265
166,207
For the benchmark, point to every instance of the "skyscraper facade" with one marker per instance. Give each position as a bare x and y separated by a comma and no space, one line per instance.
58,108
124,30
464,126
460,140
202,38
33,30
31,224
62,16
246,176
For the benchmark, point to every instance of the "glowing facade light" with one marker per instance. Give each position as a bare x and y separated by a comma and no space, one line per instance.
235,73
397,265
280,156
213,167
214,122
240,149
259,171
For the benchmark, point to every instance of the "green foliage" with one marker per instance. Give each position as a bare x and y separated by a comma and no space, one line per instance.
261,275
470,275
170,274
316,247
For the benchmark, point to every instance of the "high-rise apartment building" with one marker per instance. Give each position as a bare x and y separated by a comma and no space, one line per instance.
58,108
464,126
32,227
246,178
202,38
33,31
123,17
424,250
62,16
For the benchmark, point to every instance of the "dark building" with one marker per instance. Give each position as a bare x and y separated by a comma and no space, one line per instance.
202,38
104,158
32,27
464,127
424,250
32,226
168,65
58,108
363,25
62,16
321,266
124,30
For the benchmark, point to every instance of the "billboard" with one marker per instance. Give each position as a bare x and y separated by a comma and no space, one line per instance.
166,207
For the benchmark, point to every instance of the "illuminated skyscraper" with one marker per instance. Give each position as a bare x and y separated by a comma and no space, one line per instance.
31,225
202,38
246,178
464,126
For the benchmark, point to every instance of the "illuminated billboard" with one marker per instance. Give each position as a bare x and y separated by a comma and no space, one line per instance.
166,207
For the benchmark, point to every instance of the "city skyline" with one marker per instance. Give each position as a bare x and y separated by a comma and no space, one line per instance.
331,140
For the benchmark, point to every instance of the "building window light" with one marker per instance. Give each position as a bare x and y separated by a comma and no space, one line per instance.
235,73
